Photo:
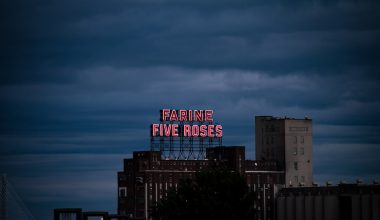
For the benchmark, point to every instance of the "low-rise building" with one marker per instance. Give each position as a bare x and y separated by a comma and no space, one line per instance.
342,202
147,177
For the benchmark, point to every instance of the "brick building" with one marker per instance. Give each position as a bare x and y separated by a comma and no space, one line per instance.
146,178
283,157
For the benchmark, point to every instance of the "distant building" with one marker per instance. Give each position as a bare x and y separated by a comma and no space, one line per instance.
283,158
342,202
281,176
146,178
290,142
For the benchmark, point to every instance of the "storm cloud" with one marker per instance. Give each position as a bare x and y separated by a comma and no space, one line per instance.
81,81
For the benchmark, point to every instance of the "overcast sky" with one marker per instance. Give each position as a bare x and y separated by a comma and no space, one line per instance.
81,81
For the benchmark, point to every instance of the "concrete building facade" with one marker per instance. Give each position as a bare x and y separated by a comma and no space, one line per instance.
342,202
290,142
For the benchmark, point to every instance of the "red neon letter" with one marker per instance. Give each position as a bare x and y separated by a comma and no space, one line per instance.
219,131
195,131
175,130
173,115
182,115
198,115
190,115
154,129
210,130
161,130
203,130
167,129
186,131
164,114
208,115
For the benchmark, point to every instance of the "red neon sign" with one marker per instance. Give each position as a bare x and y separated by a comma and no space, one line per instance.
186,130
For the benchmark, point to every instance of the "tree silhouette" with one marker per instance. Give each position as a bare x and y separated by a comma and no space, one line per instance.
214,194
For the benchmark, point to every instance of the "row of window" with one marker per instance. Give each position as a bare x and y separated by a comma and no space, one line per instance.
296,139
301,151
302,179
298,129
296,151
300,139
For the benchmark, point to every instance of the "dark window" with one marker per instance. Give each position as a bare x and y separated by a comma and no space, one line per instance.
122,192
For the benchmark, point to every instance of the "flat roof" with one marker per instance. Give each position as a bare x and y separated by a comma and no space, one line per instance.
282,118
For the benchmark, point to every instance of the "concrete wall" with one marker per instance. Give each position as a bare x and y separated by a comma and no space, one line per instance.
290,142
328,207
307,208
299,151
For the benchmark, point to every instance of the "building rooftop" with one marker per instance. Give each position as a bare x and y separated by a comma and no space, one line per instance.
269,117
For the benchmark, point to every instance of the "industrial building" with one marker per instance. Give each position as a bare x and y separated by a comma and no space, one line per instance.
281,176
283,158
146,178
342,202
290,142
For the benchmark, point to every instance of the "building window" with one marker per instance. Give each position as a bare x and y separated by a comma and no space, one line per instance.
295,151
296,165
302,179
122,192
296,179
302,140
295,139
302,151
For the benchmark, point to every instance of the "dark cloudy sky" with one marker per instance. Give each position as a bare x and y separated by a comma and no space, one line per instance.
81,81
